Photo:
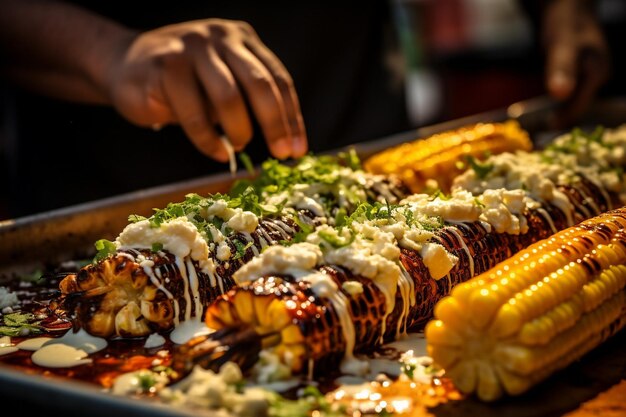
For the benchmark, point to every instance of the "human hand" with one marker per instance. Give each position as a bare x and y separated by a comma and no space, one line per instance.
578,59
202,74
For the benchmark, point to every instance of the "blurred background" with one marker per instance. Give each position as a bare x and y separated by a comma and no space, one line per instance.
468,56
363,70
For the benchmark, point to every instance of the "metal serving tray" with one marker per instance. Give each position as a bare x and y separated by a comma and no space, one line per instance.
32,242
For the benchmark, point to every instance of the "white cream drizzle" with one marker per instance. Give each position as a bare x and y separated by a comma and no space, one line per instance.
6,346
461,242
189,329
154,340
80,340
60,356
33,344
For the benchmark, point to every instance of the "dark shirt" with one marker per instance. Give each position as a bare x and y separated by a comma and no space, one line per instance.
59,153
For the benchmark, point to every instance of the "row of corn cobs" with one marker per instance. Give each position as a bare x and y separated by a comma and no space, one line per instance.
527,342
533,314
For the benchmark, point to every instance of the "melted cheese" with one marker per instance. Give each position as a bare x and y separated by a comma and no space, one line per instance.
178,236
292,260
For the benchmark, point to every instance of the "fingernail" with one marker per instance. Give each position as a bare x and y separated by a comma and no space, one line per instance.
300,146
281,148
560,84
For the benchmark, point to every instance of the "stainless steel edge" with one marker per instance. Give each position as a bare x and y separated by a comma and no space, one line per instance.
29,243
70,398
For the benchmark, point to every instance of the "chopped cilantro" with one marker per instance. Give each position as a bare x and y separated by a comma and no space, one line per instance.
134,218
157,246
482,169
247,162
104,248
440,195
146,381
34,276
304,230
311,400
408,369
240,386
19,324
350,159
340,217
336,241
241,249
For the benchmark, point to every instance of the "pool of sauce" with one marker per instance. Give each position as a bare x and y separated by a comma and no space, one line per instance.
120,356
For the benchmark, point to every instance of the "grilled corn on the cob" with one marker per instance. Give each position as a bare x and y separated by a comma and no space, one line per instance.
438,157
313,308
168,268
537,312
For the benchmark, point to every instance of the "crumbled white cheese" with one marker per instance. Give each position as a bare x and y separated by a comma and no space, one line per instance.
352,287
421,368
7,298
223,251
178,236
503,210
293,260
270,368
218,392
243,221
220,209
373,254
139,382
540,173
459,207
437,259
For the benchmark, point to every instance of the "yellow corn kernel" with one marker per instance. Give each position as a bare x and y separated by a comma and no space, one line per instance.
277,315
444,335
438,156
292,335
244,307
534,314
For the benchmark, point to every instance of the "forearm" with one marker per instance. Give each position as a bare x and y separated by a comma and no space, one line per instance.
59,49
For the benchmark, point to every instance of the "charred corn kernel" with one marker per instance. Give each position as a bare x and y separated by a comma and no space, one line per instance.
245,308
292,335
514,325
277,315
437,157
129,320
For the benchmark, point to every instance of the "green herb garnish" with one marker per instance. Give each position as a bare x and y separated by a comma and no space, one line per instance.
350,159
311,400
408,369
247,162
134,218
241,249
104,248
482,169
157,247
146,381
19,324
336,241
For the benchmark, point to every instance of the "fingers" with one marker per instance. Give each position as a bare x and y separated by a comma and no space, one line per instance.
592,76
190,107
264,97
561,69
288,95
217,73
222,91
